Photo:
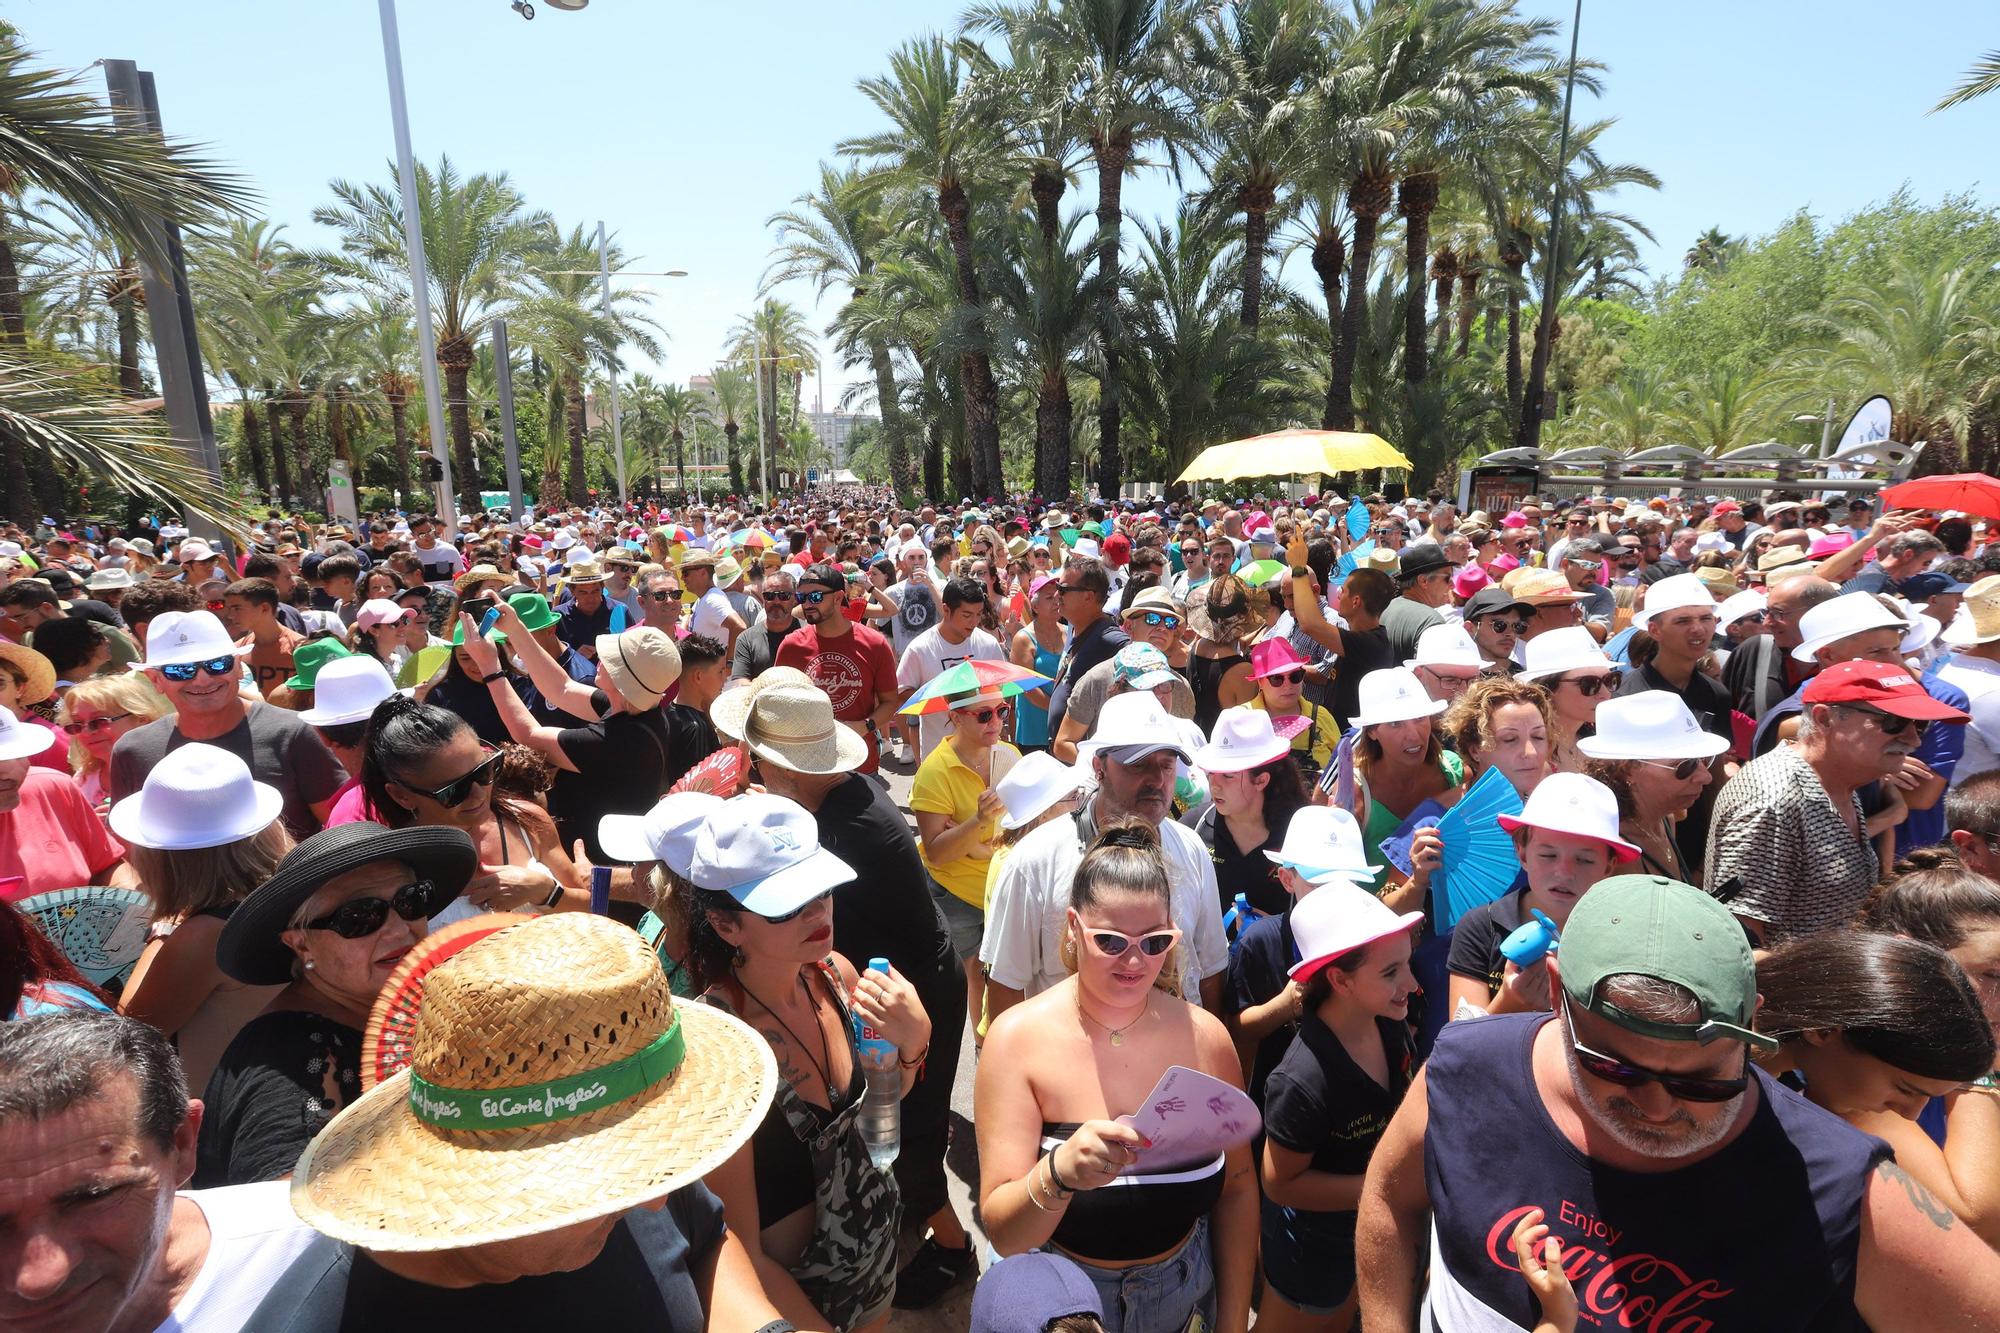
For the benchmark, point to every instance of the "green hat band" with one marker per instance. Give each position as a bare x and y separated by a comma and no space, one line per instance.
556,1100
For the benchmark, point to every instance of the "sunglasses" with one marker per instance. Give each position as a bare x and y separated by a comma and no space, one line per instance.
359,918
453,793
1116,944
778,597
817,595
183,672
1626,1075
1160,620
1591,686
217,606
1682,769
792,915
102,723
985,715
1504,624
1890,724
1287,678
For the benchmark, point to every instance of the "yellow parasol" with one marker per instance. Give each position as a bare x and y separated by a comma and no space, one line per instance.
1295,452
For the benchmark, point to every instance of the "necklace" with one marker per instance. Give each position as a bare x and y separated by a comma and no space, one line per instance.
1117,1034
826,1054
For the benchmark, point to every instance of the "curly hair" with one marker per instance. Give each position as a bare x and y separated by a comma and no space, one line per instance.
1468,725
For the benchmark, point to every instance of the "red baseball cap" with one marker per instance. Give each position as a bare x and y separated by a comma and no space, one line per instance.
1117,548
1728,507
1890,688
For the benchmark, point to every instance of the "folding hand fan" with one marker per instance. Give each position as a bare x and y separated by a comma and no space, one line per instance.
100,929
1396,846
1358,517
385,1042
1479,861
1351,560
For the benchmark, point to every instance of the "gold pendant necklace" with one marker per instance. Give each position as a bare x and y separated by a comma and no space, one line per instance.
1117,1034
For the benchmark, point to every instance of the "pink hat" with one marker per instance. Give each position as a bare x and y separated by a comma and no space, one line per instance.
1503,563
1516,519
1274,657
1830,544
1039,582
1470,580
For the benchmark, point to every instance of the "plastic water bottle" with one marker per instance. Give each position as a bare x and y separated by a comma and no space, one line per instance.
882,1103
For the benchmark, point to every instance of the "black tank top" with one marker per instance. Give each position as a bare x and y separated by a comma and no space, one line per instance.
1762,1235
1205,678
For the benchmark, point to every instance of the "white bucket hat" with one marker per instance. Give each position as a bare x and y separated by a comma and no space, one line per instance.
1571,648
1338,918
108,580
1447,646
1241,739
1849,613
178,637
665,833
21,740
1393,694
1034,784
1323,842
1577,805
1674,593
347,690
764,852
198,796
1745,603
1653,724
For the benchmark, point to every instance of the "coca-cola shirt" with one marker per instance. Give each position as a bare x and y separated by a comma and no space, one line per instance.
1761,1234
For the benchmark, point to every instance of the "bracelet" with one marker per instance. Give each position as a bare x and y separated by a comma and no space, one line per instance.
1034,1197
1055,1177
912,1064
779,1326
488,680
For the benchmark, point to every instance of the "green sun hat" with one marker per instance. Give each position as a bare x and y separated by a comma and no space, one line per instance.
308,658
493,636
533,608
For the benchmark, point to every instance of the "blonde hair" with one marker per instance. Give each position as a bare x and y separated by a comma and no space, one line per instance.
125,692
198,879
1469,723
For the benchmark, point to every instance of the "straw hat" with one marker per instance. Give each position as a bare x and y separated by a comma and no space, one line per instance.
1721,583
1779,557
198,796
472,578
595,1092
584,571
1978,619
787,718
727,572
643,663
698,558
39,674
1540,587
108,580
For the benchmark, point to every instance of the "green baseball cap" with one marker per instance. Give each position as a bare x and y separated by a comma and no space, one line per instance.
1652,926
309,657
533,608
493,636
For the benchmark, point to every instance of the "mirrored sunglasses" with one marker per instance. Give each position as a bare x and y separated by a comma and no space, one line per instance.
183,672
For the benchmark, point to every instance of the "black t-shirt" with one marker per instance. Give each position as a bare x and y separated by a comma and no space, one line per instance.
278,1083
886,912
1247,871
1366,650
1259,967
1476,939
1319,1101
622,767
691,738
1710,702
645,1278
1099,643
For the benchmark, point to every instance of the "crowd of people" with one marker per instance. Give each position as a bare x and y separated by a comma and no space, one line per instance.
588,916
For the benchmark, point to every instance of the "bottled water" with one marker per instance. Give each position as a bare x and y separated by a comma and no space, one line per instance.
882,1103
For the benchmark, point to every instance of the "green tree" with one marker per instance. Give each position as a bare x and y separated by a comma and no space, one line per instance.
682,409
732,397
1044,313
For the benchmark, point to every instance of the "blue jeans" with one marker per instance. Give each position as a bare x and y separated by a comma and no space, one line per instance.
1160,1297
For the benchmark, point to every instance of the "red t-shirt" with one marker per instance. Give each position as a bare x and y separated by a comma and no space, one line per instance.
855,669
53,839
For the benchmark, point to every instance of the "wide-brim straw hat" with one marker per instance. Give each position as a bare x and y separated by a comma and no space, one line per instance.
643,662
536,1007
39,674
1978,619
787,718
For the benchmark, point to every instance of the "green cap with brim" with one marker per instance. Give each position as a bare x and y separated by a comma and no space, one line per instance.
492,636
308,658
1652,926
533,608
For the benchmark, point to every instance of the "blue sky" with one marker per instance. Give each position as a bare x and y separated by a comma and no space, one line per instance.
684,127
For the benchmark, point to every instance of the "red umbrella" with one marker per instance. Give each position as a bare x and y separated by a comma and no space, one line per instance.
1969,492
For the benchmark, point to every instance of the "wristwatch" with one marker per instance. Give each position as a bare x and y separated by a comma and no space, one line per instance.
555,892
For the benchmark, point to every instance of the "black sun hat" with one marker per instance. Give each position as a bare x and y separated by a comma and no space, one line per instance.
250,948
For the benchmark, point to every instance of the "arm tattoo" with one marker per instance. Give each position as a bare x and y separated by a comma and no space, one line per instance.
1926,1202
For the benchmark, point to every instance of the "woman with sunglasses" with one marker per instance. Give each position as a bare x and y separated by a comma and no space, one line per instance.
425,766
94,713
378,632
1168,1245
760,909
329,927
1578,676
1655,756
1038,646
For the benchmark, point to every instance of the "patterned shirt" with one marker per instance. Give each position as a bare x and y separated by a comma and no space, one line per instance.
1795,863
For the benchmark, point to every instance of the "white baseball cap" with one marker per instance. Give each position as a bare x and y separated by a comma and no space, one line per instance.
198,796
1675,593
1135,725
1571,648
1241,739
1337,918
347,690
1447,646
1652,724
1849,613
1575,804
1323,842
178,637
1393,694
665,833
764,852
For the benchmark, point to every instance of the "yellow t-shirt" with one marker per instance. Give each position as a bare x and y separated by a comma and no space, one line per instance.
1317,741
945,786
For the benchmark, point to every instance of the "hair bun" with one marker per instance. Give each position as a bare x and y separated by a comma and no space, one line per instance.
1130,832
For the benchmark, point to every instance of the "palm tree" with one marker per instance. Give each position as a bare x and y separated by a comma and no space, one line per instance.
1029,94
1711,251
1981,79
938,144
834,236
681,411
644,424
479,236
1631,412
1124,76
774,343
1727,409
1045,304
731,385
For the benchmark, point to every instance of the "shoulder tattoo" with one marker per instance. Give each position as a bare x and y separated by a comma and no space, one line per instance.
1925,1202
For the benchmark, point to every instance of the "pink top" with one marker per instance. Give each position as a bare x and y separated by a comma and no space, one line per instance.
57,755
52,839
350,805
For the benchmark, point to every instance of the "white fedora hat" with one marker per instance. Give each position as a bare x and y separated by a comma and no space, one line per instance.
1577,805
1675,593
1652,724
179,637
1447,647
664,833
1745,603
1241,739
1571,648
1323,842
1978,619
1338,918
108,580
347,690
1849,613
1038,781
764,852
198,796
21,740
1393,694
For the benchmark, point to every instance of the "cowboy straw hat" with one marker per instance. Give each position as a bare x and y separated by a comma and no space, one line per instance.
787,718
475,576
39,674
643,663
552,1081
1978,619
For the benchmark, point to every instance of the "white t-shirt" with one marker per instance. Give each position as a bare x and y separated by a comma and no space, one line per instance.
929,654
711,615
442,563
253,1236
1025,909
1980,679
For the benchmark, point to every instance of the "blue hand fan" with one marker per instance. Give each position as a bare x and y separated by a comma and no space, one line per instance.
1479,862
1351,560
1396,847
1358,517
